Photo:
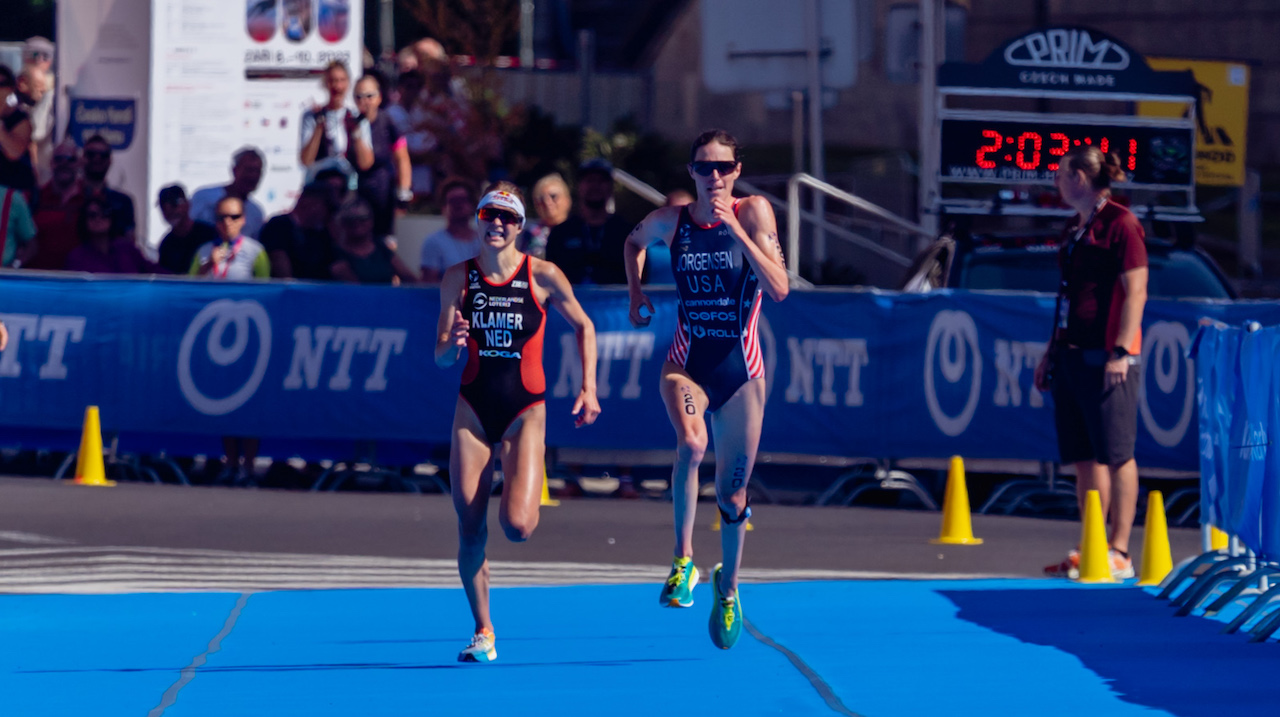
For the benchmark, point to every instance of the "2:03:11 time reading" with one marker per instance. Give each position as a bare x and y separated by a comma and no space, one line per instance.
1006,152
1028,154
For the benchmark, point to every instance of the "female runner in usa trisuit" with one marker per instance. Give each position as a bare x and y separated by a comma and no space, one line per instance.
493,309
723,250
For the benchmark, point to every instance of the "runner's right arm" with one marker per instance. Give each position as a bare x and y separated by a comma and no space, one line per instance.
660,225
451,334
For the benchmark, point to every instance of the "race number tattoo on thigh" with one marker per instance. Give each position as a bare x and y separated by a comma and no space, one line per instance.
686,398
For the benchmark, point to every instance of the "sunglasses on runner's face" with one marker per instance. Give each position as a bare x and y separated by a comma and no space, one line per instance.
367,96
488,214
232,217
705,168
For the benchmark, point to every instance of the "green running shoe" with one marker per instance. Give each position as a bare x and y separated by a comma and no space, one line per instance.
678,590
726,615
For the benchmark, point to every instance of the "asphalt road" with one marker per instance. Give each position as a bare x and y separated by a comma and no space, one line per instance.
588,530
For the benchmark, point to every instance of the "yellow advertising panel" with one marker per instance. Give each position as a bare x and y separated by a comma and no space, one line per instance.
1222,117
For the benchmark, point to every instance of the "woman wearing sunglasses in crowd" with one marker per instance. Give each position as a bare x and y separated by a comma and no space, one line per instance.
723,251
493,310
101,250
381,156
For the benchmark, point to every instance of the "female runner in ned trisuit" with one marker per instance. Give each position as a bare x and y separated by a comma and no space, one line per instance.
722,250
493,308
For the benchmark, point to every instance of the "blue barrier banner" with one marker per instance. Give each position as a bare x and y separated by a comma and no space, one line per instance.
1238,381
313,368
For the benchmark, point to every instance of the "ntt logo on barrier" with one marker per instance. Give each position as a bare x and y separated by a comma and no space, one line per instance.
1164,358
953,341
220,316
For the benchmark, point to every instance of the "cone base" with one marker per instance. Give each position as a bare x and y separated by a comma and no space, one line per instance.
101,483
549,503
1096,581
1149,583
956,541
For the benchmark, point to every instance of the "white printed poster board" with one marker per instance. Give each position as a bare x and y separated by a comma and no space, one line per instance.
207,77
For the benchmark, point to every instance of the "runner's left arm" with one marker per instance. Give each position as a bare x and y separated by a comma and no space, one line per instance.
760,244
548,275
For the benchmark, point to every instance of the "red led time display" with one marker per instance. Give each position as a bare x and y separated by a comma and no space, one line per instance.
1013,152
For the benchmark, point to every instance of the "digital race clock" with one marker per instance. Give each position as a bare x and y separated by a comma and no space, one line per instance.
1028,151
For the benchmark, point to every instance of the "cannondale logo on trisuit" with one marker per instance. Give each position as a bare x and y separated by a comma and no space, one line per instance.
1164,358
953,340
221,316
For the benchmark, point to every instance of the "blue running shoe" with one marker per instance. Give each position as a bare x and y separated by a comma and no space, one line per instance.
678,590
483,648
726,615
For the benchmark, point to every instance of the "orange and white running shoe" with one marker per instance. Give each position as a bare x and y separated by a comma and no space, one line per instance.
1068,568
1121,564
483,648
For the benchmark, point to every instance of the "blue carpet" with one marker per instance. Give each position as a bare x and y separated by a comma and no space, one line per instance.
991,647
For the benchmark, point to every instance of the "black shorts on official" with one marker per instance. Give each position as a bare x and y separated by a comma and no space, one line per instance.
1094,424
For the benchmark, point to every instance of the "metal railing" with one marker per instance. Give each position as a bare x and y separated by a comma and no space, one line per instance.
795,213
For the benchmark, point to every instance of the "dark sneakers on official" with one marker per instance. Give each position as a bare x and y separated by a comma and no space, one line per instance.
678,590
1068,568
726,615
483,648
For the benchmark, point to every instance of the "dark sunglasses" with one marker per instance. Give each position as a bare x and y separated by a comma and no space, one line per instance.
96,154
366,95
232,217
488,214
705,168
63,159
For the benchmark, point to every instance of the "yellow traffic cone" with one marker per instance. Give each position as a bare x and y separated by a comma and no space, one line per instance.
1218,539
956,526
1157,558
89,468
1095,563
547,500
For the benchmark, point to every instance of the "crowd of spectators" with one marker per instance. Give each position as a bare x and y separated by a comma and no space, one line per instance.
372,149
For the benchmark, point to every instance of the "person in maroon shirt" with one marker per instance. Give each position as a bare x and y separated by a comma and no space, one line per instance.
1091,365
58,210
102,252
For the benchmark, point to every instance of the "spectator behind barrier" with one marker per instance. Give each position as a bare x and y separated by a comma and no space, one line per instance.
408,115
15,137
246,174
382,157
587,245
458,241
1091,364
37,53
298,243
552,203
97,163
17,230
58,210
101,250
362,258
326,129
178,248
233,257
